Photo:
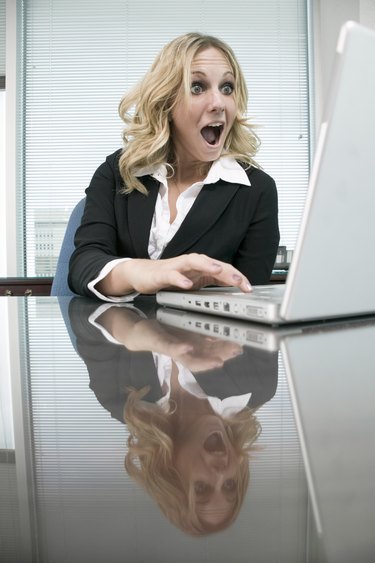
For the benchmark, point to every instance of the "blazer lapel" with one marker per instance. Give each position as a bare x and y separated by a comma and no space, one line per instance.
140,213
207,208
144,374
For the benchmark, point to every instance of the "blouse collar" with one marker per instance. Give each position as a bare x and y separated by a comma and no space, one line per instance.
225,168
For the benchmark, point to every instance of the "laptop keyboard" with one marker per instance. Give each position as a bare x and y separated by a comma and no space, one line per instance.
274,293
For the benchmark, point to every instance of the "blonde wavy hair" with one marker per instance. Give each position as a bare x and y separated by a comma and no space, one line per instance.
150,461
146,109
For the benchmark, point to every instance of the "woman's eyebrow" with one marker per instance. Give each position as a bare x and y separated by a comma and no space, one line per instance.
202,73
198,73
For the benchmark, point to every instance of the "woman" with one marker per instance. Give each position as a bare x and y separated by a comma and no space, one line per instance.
185,190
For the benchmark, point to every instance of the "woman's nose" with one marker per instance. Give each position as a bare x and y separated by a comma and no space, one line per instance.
219,462
217,102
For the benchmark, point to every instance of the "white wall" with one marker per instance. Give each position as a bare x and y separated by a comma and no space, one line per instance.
328,17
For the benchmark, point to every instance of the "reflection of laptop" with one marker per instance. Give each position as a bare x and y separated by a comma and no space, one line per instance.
332,271
244,333
330,376
239,331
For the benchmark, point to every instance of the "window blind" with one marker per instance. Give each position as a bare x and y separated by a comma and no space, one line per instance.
79,59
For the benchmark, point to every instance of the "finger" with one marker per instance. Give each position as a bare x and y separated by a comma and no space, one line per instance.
201,363
200,263
175,278
176,351
192,271
220,271
227,349
241,282
232,277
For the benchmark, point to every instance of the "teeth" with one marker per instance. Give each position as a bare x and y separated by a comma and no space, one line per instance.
214,125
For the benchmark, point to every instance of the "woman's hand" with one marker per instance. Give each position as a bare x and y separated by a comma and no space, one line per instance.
188,271
195,351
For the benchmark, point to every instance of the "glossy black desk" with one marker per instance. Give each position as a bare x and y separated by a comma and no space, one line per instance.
308,483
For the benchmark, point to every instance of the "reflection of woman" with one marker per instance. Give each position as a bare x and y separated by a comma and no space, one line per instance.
189,403
191,460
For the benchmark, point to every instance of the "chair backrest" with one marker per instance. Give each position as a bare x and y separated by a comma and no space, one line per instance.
60,281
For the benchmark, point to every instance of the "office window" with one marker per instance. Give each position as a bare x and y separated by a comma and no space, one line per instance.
80,57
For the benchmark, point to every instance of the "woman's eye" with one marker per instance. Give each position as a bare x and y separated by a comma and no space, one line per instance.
200,487
227,89
229,485
196,88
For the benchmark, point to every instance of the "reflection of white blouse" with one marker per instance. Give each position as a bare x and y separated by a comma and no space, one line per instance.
162,231
224,407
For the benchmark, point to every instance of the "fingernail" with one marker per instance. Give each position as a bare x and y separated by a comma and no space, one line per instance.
236,277
216,266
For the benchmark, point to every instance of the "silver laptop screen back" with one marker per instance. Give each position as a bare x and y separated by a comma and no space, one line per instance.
333,269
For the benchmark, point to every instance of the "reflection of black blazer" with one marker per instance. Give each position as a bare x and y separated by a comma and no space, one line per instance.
112,368
230,222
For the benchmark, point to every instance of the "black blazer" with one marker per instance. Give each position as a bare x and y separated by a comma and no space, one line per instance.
113,369
229,222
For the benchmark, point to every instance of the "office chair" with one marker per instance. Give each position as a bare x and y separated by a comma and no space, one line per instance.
60,281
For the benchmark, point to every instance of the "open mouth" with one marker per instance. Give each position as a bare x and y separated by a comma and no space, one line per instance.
212,133
214,443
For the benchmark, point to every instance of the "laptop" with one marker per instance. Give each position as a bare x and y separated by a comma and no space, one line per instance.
332,271
330,376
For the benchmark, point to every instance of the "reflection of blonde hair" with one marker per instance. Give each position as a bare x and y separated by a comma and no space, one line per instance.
150,460
147,136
